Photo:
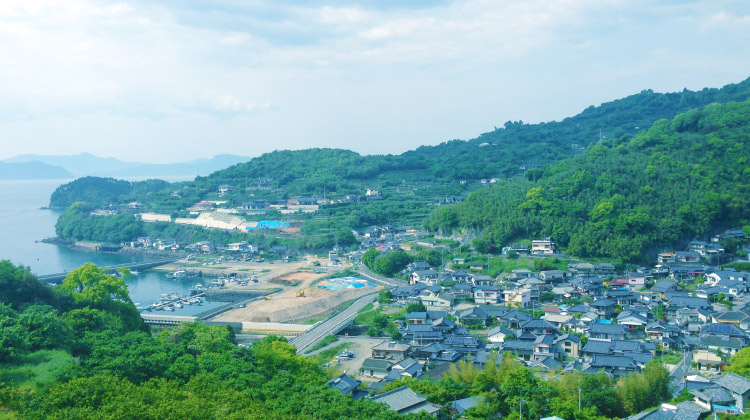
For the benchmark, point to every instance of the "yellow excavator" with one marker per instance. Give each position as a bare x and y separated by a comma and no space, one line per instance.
301,293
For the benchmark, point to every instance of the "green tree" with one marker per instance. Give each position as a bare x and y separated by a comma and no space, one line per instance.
740,363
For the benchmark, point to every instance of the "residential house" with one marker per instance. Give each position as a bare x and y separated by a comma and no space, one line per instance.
726,345
738,386
488,294
499,334
708,361
346,385
568,345
405,401
375,368
539,327
542,247
429,277
391,350
613,365
553,276
606,331
443,300
481,280
603,307
520,298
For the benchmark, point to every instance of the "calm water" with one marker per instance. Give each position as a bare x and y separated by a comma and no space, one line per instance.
23,225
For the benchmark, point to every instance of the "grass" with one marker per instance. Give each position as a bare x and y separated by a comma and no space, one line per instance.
325,356
366,315
672,358
330,339
313,321
38,369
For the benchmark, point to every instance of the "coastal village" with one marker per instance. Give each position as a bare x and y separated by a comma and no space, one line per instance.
590,317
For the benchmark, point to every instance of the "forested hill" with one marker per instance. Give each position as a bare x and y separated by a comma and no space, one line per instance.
499,153
680,178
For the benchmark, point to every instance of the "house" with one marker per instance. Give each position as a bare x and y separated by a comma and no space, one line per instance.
544,346
613,365
542,246
461,406
481,280
726,345
539,327
226,189
603,307
460,276
606,331
472,316
443,300
708,361
346,385
523,349
553,276
738,386
568,345
665,286
488,294
375,368
519,298
687,257
429,277
390,350
499,334
404,401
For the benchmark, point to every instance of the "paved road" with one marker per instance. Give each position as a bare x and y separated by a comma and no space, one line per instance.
366,273
333,324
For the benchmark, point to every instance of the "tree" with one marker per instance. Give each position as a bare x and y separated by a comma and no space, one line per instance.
740,363
12,336
415,307
92,287
44,329
368,258
385,296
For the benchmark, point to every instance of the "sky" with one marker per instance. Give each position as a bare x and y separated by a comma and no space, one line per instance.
174,80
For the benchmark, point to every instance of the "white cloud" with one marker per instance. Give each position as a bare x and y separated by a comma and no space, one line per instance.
306,75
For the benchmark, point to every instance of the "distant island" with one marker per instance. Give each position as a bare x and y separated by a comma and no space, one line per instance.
32,170
86,164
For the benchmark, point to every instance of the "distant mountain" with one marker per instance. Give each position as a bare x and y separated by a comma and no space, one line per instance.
86,164
32,170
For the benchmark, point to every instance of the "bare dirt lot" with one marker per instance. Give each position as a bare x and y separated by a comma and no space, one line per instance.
286,306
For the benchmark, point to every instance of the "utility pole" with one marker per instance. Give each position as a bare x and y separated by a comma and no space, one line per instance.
579,394
520,400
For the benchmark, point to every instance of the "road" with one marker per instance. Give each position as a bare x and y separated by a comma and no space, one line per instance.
337,322
369,275
332,325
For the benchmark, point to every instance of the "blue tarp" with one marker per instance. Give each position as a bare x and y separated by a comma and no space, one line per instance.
270,224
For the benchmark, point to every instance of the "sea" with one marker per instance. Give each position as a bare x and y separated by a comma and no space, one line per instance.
24,222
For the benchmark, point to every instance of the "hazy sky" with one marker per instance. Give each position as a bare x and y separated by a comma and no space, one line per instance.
168,81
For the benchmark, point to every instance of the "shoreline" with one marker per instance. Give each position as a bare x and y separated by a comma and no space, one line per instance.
122,250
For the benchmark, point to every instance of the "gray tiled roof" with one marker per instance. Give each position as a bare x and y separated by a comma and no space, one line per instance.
403,400
734,383
714,395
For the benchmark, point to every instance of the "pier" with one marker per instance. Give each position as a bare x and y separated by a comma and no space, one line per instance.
58,278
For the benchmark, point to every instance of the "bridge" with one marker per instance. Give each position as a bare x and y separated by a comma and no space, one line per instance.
167,320
332,325
340,321
58,278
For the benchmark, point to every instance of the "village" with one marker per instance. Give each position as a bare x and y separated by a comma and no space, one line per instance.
589,317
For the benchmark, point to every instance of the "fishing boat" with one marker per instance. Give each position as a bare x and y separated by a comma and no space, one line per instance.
179,274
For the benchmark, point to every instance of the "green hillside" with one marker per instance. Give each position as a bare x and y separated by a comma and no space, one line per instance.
680,178
499,153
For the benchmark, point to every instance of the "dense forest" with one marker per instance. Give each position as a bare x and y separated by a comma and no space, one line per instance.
680,178
80,350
